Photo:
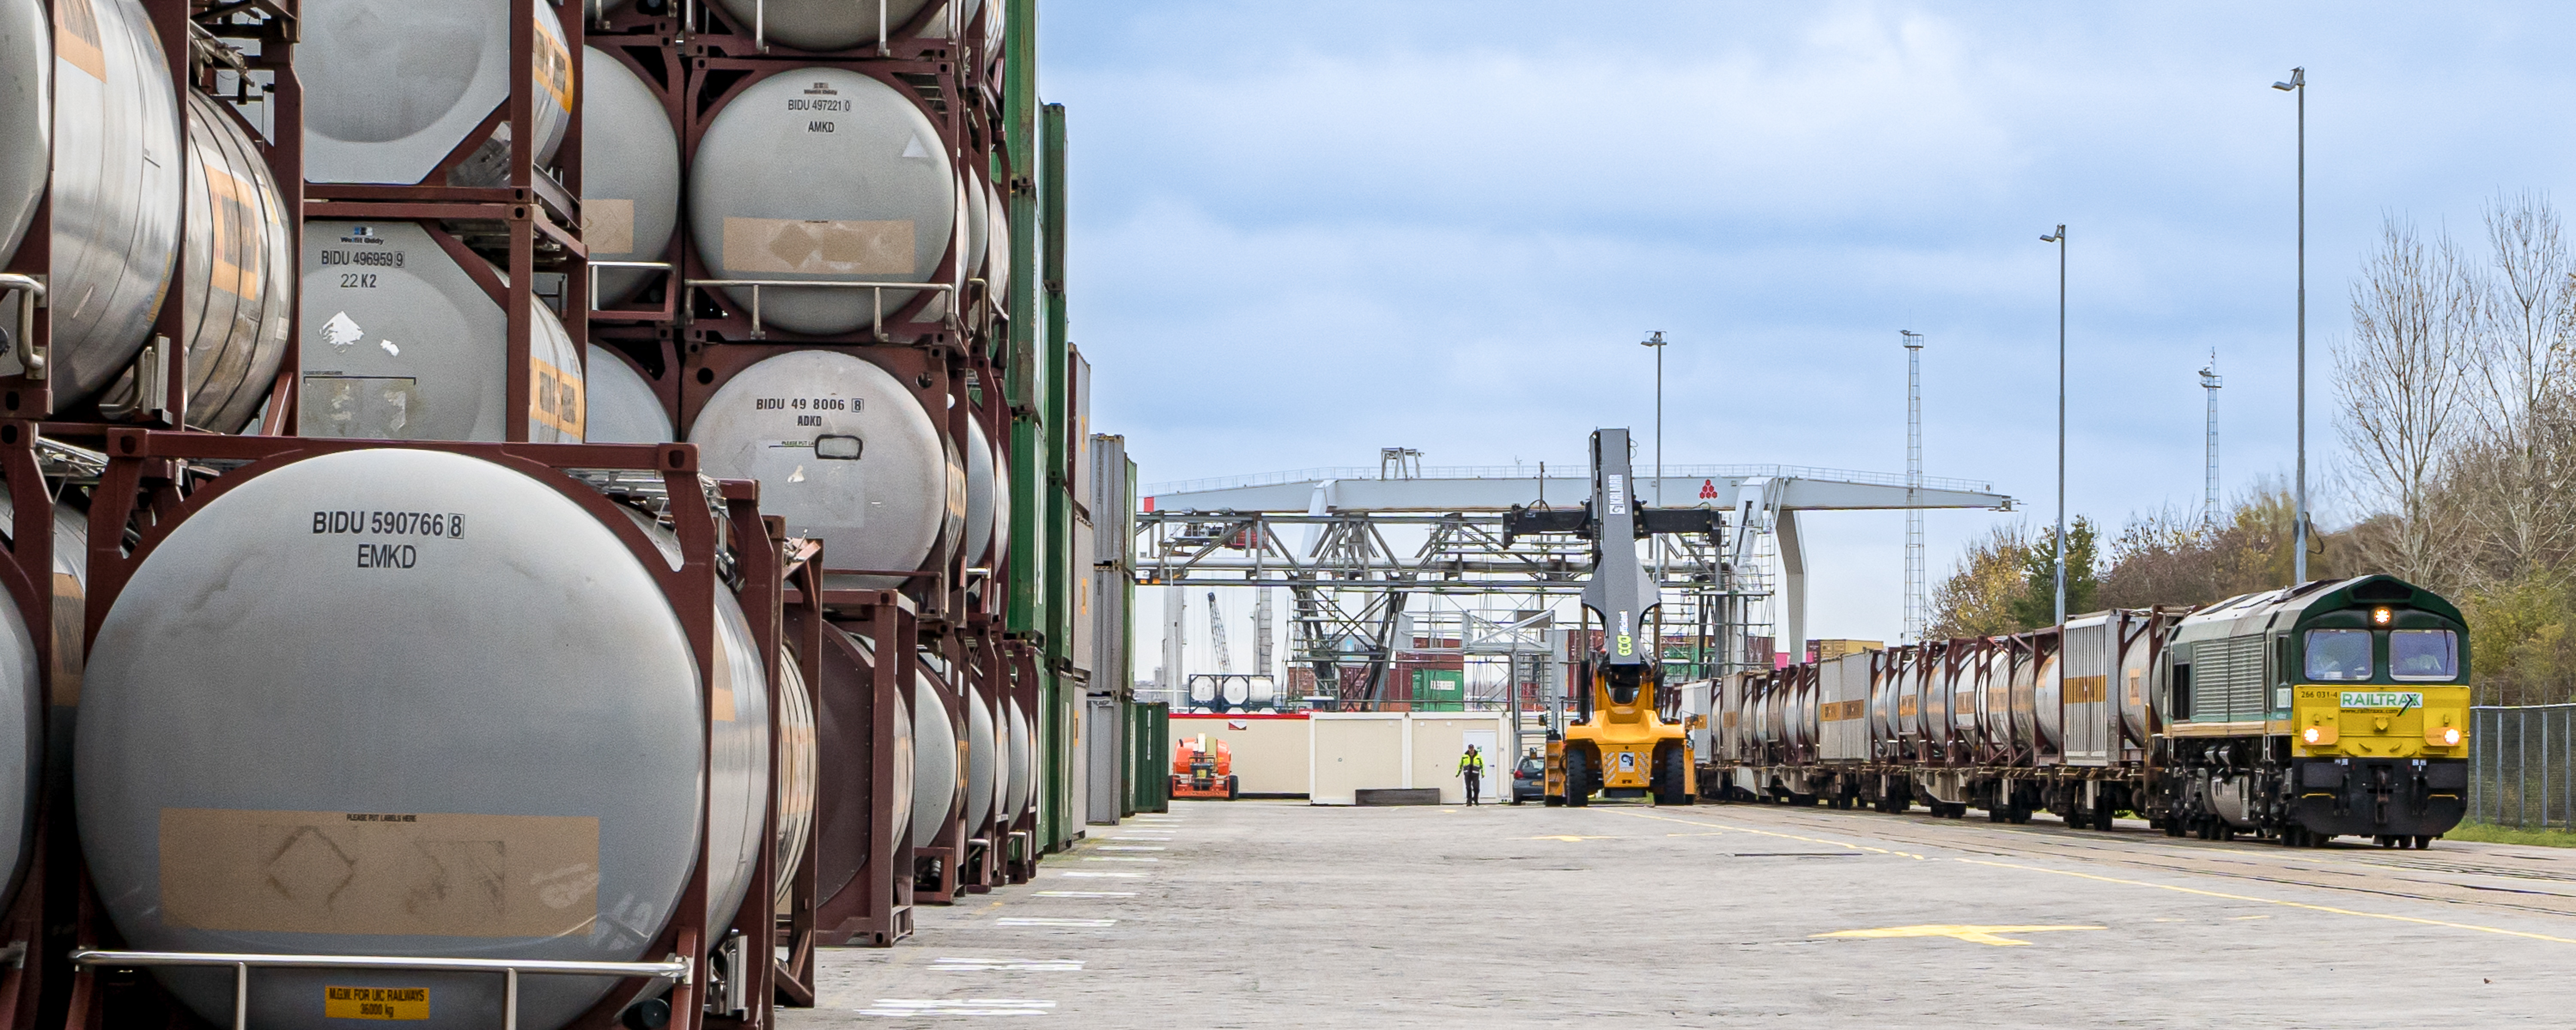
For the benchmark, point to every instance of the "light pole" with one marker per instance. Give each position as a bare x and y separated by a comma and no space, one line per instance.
2059,238
2299,531
1656,341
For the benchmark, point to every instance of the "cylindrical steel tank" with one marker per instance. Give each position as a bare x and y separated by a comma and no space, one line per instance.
934,760
450,713
2048,713
26,121
997,245
982,766
630,174
622,405
391,87
1023,753
796,776
401,343
240,276
116,182
822,24
980,490
2135,672
1967,671
2023,699
22,698
841,450
822,174
979,219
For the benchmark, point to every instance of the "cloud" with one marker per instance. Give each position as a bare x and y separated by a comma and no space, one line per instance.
1302,232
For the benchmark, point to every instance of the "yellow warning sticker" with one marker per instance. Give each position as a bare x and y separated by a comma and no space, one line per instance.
375,1002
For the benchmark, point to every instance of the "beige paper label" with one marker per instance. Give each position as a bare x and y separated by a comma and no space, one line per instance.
820,248
76,41
436,874
608,225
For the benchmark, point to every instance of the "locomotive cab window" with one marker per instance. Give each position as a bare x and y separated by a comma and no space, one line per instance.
2423,654
2338,654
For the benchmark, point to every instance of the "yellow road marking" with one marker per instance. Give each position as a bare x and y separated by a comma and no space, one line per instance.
1971,934
2274,901
2239,918
1768,833
1570,838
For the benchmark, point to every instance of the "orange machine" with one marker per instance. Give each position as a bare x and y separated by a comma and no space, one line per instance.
1203,768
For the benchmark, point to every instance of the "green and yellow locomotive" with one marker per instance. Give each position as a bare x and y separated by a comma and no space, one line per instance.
2335,708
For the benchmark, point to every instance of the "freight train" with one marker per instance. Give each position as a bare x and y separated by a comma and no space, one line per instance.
2332,708
532,512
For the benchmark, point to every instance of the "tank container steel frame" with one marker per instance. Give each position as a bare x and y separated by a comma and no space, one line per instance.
32,948
530,207
154,481
714,80
857,706
30,394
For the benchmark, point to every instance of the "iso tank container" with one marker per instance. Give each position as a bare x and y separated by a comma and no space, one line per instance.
844,453
621,406
404,341
982,771
240,276
450,710
2090,656
820,174
630,175
392,89
936,781
859,819
116,179
26,121
22,699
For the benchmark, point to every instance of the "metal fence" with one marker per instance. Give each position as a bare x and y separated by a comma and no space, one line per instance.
2522,765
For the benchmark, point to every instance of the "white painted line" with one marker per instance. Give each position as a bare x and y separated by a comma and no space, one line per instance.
1118,858
1009,965
1123,876
917,1007
1036,921
1086,894
1130,847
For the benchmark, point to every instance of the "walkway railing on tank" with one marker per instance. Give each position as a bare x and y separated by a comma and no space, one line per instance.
670,969
2522,765
31,295
877,290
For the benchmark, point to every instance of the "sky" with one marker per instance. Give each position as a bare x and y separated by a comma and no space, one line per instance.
1304,231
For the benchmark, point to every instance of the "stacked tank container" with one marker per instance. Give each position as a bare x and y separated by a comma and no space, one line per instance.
831,280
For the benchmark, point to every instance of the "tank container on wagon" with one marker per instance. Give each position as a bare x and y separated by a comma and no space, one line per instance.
393,87
116,191
630,175
2021,698
239,279
1842,701
822,174
404,342
26,121
842,450
453,711
2089,657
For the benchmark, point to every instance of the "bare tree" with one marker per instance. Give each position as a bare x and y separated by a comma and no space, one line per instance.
2416,315
2522,374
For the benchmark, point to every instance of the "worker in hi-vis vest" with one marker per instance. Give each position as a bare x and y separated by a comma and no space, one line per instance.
1472,766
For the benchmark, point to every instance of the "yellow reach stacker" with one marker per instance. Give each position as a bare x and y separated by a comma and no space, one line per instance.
1618,743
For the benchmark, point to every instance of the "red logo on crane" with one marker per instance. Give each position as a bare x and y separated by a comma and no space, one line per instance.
1708,489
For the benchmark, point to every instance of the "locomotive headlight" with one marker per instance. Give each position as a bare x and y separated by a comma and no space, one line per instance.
2313,735
2442,736
2319,736
2379,616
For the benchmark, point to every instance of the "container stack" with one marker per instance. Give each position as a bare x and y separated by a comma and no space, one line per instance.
560,510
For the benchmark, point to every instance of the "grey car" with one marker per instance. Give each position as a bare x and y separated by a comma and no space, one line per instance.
1529,779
